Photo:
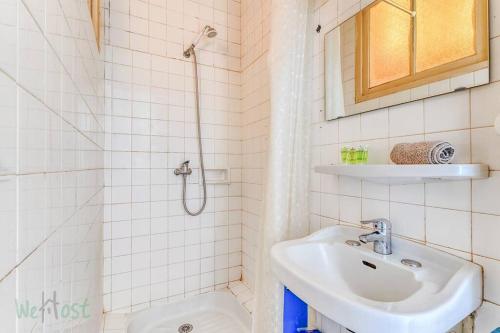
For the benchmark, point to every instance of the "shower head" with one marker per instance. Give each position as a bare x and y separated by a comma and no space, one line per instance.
210,32
207,31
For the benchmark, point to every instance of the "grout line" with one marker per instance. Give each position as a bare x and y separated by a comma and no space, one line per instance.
41,30
18,158
18,85
41,173
56,229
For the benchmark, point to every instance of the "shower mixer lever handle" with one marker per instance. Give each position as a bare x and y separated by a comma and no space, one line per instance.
183,170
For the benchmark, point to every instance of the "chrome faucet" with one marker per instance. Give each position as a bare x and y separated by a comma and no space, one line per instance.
381,237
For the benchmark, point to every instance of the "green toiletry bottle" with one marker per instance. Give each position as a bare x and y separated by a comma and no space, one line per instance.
352,156
343,154
359,155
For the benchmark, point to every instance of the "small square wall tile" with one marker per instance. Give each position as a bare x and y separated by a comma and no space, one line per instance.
485,143
378,151
411,194
328,184
439,223
350,129
330,205
375,191
120,282
447,112
329,132
349,209
406,119
408,220
330,154
484,105
372,209
349,186
485,231
121,300
491,271
451,195
374,125
485,194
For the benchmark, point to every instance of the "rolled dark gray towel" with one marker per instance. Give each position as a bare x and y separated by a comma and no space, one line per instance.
425,152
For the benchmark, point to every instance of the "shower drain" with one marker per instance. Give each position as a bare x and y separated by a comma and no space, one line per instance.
185,328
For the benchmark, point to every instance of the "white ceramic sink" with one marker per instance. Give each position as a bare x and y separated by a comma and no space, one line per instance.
371,293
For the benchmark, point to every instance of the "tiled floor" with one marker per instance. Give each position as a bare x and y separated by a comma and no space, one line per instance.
117,322
243,294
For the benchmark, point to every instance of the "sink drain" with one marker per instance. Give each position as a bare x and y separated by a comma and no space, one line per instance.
185,328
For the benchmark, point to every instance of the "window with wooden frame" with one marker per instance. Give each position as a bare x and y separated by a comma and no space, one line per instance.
402,44
95,15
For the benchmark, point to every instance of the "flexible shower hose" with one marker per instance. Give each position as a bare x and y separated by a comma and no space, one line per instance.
200,148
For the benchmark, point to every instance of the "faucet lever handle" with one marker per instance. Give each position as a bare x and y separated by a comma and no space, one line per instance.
379,224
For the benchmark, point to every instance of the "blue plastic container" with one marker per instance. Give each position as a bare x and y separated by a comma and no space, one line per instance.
295,313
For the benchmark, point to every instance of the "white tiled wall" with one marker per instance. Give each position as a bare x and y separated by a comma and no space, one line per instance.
255,28
462,218
153,251
51,163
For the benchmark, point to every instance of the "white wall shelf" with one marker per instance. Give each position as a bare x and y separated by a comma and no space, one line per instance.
408,174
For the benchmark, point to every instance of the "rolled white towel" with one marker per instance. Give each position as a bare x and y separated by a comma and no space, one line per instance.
425,152
442,153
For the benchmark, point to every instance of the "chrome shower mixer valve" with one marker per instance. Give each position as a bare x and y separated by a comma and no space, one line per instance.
184,169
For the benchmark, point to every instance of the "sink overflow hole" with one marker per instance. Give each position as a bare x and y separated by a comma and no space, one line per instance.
411,263
369,264
352,243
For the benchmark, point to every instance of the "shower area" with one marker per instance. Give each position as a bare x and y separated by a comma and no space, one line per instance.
132,169
185,114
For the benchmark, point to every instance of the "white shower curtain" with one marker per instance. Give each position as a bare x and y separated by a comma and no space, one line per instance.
286,211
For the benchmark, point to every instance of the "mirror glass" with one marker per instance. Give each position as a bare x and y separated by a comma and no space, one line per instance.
398,51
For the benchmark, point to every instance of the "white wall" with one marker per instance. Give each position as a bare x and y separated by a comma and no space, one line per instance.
255,29
154,251
51,161
462,218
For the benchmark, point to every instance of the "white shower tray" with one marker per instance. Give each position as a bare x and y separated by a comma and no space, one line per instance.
216,312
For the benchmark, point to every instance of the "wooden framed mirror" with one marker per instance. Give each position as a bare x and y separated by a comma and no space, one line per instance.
399,51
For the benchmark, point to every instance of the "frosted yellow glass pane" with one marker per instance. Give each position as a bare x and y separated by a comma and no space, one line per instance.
389,44
403,3
445,32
